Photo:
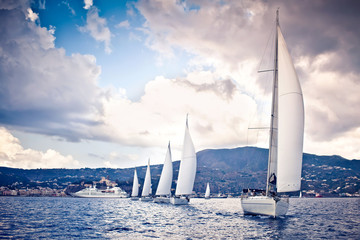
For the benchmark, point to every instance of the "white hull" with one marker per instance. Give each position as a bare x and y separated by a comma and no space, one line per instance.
179,200
115,192
146,199
97,196
162,200
262,205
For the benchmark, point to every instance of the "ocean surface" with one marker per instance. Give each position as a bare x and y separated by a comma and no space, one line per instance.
81,218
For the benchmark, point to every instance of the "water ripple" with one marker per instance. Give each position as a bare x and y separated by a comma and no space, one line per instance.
64,218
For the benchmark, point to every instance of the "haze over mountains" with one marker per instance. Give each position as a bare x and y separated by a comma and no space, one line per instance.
227,170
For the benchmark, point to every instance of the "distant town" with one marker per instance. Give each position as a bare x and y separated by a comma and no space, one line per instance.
228,171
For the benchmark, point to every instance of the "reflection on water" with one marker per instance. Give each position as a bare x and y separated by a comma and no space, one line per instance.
59,218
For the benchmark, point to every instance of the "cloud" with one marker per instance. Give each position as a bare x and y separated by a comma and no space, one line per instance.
88,4
31,15
123,24
213,30
228,36
97,27
220,90
42,89
332,96
218,112
117,160
12,154
69,7
42,4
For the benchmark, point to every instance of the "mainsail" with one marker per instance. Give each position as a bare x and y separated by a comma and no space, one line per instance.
187,169
290,123
166,175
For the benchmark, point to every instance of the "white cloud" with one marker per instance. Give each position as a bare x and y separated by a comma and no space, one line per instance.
42,4
123,24
97,27
119,160
31,15
214,30
218,113
69,7
12,154
88,4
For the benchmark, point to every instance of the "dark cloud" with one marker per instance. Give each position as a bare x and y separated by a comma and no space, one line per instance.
224,89
315,27
42,89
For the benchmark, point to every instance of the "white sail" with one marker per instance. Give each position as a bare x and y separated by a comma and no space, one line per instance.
135,188
207,191
166,175
290,122
187,169
147,182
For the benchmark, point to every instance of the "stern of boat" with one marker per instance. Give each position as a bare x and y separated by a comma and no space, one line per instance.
179,200
264,205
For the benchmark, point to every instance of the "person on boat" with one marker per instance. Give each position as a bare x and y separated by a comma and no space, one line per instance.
272,179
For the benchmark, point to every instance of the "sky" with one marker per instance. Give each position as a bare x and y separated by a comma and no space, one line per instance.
109,83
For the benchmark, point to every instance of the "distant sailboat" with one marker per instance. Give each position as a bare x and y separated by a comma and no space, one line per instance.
187,171
146,192
286,137
207,191
163,190
135,188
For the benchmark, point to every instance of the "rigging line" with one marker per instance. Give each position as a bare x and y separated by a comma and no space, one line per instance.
260,105
269,70
272,33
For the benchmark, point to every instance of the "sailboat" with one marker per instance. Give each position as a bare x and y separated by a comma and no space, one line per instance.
135,188
207,191
146,191
187,171
286,137
163,190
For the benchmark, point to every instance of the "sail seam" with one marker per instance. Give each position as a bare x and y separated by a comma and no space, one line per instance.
290,93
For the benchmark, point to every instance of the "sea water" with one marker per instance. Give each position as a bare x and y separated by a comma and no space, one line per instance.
81,218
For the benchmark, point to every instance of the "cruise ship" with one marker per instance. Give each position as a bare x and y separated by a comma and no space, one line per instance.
93,192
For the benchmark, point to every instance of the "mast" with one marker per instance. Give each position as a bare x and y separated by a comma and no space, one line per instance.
272,159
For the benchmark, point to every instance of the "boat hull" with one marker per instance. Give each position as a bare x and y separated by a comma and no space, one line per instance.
179,200
267,206
98,193
134,198
162,200
146,199
98,196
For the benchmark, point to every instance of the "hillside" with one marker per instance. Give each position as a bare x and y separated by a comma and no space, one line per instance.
227,170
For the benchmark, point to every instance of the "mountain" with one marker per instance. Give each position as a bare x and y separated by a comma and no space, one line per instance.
227,170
